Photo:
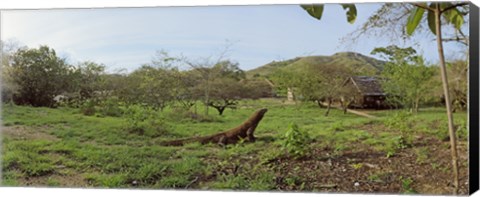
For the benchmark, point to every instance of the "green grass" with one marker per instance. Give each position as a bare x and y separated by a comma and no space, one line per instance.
101,151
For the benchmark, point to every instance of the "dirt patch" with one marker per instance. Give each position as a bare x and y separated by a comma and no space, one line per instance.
369,171
19,132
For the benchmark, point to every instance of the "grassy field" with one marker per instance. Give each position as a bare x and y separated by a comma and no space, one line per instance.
394,153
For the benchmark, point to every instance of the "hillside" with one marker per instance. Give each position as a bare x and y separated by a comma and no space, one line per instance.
356,61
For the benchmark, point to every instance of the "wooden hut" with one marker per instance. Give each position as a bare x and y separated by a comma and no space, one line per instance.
369,93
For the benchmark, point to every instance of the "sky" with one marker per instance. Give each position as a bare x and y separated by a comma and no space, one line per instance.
126,38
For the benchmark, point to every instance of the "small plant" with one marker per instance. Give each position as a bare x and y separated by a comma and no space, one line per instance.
407,185
401,122
145,121
88,108
435,166
422,155
296,142
136,117
398,143
337,126
110,107
462,131
357,166
374,178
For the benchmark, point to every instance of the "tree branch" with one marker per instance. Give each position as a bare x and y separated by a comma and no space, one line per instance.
457,39
423,6
452,7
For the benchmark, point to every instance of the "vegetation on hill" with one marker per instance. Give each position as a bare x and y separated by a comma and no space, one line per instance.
351,60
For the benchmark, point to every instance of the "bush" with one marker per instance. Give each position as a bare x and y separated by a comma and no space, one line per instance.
296,142
401,121
186,115
145,121
110,107
88,108
443,134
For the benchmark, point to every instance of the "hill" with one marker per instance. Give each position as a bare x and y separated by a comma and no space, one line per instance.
360,63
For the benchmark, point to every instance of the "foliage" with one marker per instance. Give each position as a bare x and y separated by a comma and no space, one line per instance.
150,85
401,121
458,83
87,79
40,76
88,108
111,107
316,11
422,155
9,87
407,185
396,21
296,142
406,76
144,121
316,82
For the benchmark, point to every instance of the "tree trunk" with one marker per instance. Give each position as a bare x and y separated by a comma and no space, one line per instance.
206,99
220,110
443,70
417,101
328,107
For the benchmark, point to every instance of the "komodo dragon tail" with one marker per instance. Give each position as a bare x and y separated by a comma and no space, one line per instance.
244,130
181,142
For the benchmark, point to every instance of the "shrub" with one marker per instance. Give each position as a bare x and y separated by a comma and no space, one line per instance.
443,134
145,121
462,131
88,108
186,115
401,121
110,107
296,142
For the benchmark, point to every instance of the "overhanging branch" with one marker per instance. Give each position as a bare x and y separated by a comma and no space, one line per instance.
423,6
453,6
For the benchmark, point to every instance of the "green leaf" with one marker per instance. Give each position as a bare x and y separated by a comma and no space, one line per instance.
414,19
315,11
351,12
431,21
454,17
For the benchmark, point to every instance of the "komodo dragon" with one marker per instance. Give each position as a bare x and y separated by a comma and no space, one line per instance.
231,136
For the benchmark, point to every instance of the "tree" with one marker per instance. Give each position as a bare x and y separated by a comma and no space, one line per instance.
318,83
458,72
227,85
406,77
454,14
151,86
394,18
88,78
9,87
225,92
40,76
207,74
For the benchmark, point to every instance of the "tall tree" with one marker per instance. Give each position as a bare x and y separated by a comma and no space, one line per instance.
88,78
406,77
454,14
41,75
9,87
207,74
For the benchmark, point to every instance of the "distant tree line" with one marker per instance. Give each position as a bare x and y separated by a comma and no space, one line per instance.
39,77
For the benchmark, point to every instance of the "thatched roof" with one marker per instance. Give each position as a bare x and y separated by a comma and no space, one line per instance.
367,85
